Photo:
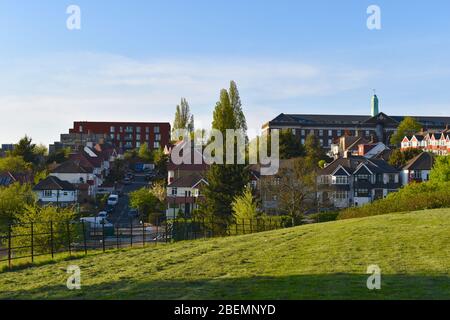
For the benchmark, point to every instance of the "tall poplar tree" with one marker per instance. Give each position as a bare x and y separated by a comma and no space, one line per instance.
225,181
183,117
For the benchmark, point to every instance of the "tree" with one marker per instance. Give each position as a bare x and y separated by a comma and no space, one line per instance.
314,151
144,153
295,188
59,156
225,181
407,127
290,145
13,201
245,206
159,191
14,164
160,160
145,202
27,150
441,170
399,158
236,104
45,220
183,117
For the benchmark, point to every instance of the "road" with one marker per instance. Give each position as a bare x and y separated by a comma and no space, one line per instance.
120,214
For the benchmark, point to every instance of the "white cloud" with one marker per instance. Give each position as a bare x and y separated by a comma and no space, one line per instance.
43,96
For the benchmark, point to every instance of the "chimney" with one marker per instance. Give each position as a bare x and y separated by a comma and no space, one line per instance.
347,154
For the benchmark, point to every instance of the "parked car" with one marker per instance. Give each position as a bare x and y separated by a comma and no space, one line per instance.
102,215
97,222
127,181
109,209
113,200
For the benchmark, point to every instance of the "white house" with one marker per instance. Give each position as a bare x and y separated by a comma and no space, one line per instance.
71,171
55,191
418,169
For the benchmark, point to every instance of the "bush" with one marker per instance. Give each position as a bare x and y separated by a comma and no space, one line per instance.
414,197
325,216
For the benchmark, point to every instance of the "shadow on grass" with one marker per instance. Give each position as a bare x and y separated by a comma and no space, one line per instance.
304,287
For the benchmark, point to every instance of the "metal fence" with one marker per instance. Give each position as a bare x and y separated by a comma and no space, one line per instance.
27,241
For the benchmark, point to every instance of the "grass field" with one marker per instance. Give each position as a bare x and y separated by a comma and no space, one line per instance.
323,261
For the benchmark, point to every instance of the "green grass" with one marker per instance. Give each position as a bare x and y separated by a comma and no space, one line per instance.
323,261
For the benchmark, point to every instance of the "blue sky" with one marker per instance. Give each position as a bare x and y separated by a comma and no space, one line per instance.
134,60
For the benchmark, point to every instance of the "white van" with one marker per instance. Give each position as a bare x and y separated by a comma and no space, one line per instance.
113,200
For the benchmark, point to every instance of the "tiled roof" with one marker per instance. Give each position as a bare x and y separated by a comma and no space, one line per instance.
423,161
350,164
53,183
71,166
187,181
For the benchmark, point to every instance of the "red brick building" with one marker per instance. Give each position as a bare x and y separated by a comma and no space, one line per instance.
126,135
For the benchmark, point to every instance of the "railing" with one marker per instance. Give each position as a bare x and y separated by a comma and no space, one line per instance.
27,241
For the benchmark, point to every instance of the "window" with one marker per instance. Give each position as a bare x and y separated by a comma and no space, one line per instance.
341,180
157,137
362,193
138,137
330,142
303,141
367,133
156,130
112,129
121,129
321,142
138,144
321,133
147,137
147,130
156,145
294,132
341,195
118,136
112,136
330,133
392,178
174,191
362,177
303,132
48,193
138,129
339,133
65,193
129,129
81,129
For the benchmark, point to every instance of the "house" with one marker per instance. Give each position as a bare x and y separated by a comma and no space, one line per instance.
355,181
372,150
52,190
347,145
78,175
8,178
184,195
418,169
436,142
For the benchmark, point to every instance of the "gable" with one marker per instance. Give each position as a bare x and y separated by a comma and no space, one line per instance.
363,170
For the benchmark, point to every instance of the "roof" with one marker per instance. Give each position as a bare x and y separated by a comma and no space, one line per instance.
423,161
54,183
352,120
7,178
189,181
351,164
71,166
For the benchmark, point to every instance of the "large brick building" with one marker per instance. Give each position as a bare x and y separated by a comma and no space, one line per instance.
329,128
122,135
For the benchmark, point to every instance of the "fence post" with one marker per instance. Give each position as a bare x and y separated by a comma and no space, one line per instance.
251,226
69,238
131,231
143,234
157,231
117,236
84,237
204,228
194,228
212,226
236,226
32,242
51,239
9,246
166,230
103,236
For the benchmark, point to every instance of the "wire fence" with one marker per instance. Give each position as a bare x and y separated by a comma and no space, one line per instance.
27,241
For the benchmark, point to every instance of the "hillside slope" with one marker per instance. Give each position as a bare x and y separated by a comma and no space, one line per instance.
321,261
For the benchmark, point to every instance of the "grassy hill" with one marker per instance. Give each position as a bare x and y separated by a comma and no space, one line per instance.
321,261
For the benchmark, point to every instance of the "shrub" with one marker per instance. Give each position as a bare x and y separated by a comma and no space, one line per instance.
416,196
